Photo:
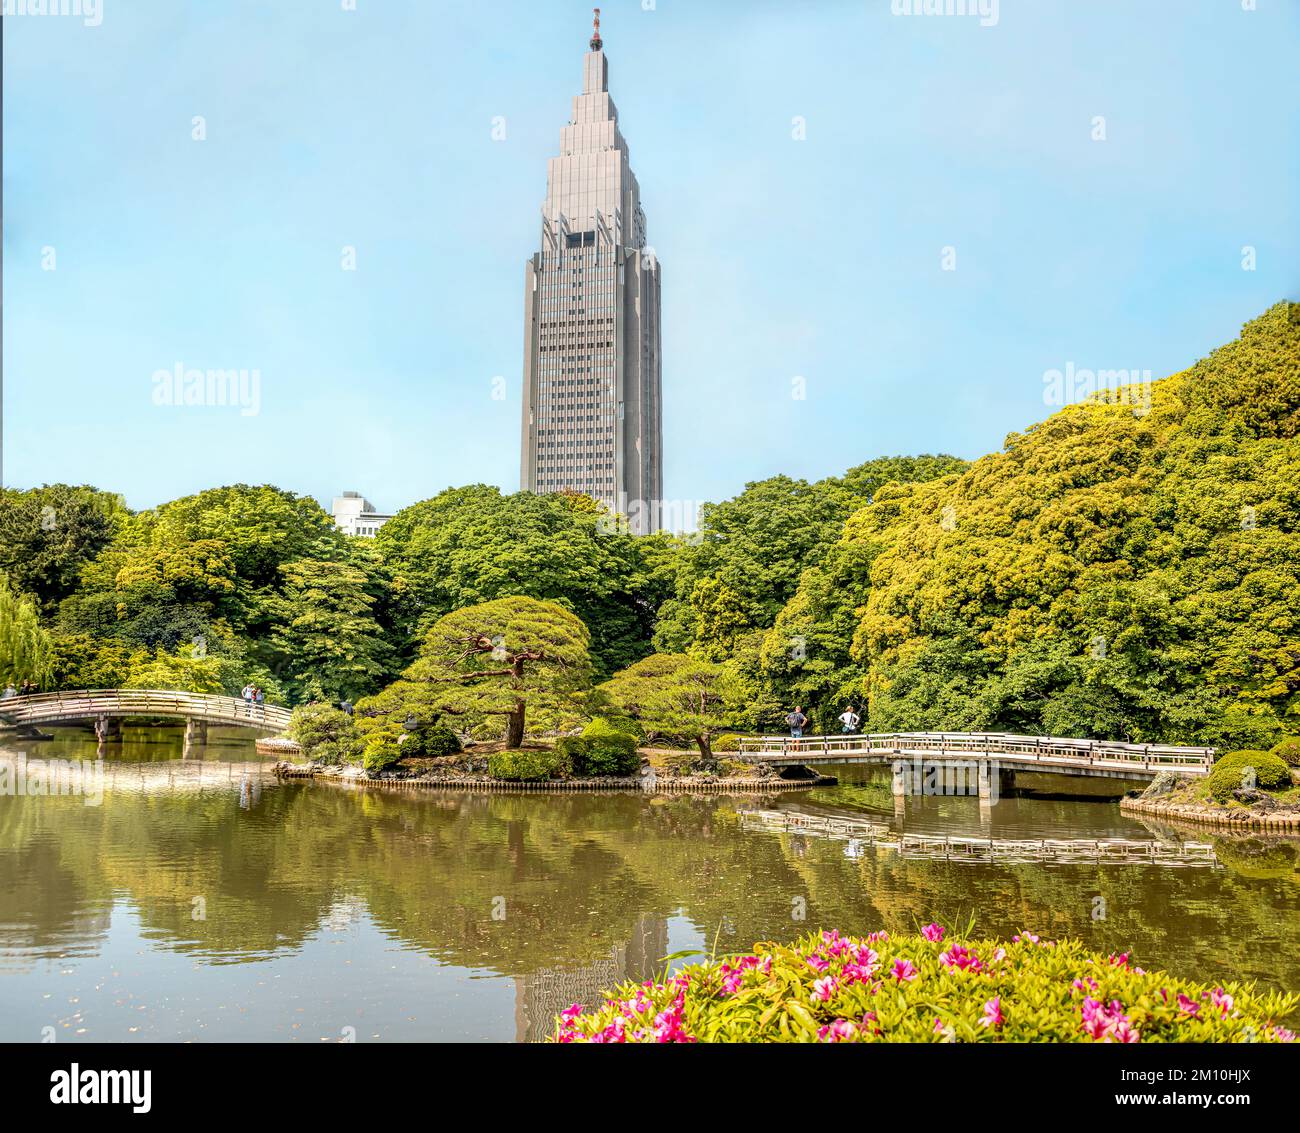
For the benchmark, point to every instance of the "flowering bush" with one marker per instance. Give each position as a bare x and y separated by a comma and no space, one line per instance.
928,988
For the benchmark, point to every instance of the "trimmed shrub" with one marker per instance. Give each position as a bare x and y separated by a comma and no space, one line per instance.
431,740
927,989
382,747
603,749
1287,749
1232,772
325,734
728,741
521,766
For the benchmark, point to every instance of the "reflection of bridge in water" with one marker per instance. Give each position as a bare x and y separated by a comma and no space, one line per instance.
164,776
859,835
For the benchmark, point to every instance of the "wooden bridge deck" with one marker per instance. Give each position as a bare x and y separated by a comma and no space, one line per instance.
860,834
1103,758
114,703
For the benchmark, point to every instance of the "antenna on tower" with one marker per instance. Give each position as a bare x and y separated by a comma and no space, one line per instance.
595,31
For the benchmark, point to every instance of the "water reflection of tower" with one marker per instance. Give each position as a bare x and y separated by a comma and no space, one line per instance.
542,995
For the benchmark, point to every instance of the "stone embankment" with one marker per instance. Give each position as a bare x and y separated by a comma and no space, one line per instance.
1174,800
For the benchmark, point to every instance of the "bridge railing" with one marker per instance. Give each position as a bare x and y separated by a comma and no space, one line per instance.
90,703
1046,749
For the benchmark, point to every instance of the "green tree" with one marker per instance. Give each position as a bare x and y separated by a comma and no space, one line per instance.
48,534
1126,568
677,695
471,545
26,652
324,641
754,549
517,658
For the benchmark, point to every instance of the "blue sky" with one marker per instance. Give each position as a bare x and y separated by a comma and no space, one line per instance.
819,259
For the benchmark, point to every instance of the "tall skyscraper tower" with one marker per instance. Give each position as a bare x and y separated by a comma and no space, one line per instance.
592,419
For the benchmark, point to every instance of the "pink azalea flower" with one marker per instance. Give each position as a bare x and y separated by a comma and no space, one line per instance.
571,1012
839,1031
1222,1000
1283,1035
613,1033
1107,1023
877,937
1188,1006
835,944
818,963
668,1023
1023,935
868,958
904,971
933,933
825,988
992,1013
960,958
1120,961
938,1024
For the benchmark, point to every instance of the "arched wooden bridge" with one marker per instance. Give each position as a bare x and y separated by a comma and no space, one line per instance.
1097,758
116,703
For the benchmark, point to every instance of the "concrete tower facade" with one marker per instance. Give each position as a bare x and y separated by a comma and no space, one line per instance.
592,419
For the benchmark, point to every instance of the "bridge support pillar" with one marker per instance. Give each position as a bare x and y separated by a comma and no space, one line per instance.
899,786
108,728
993,780
899,789
196,737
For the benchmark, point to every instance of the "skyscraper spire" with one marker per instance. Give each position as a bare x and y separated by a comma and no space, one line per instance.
592,420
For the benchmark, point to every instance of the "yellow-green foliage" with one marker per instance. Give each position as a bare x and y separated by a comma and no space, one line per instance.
1287,750
1126,568
602,749
325,734
1240,769
25,649
928,988
525,765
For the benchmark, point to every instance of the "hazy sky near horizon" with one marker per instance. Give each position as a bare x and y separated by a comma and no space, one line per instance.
819,258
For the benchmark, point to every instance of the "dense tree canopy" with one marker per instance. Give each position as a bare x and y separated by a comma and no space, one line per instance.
205,593
745,562
473,544
1127,568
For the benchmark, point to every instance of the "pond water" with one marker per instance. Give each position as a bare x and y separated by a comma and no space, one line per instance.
203,900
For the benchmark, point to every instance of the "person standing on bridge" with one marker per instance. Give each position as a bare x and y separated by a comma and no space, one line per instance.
850,720
796,721
247,694
9,693
259,698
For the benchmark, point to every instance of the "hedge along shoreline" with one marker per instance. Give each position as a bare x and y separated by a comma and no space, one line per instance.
356,776
928,987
